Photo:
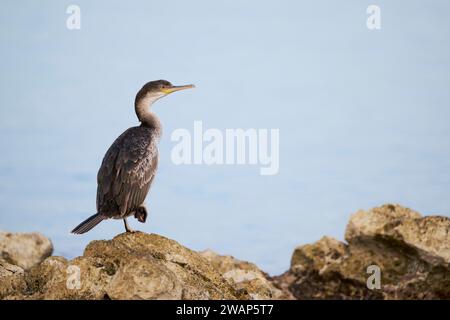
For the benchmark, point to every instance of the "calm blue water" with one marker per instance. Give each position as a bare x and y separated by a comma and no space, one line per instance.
363,116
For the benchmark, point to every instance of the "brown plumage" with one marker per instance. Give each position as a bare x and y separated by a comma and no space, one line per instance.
129,166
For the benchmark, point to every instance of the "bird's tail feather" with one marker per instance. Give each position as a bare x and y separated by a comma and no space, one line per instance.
88,224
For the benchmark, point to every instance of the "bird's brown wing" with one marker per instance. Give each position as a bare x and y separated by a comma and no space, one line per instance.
127,172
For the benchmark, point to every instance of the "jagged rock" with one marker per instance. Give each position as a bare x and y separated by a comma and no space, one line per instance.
412,253
130,266
244,276
24,249
316,273
428,237
9,275
7,269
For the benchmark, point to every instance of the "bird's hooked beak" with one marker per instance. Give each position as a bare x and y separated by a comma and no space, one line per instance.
177,88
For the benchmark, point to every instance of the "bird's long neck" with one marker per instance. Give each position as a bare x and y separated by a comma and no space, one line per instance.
147,117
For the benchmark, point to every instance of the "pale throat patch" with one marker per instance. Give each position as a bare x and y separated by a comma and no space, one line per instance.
150,98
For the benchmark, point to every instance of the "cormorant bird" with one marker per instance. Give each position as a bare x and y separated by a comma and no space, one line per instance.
130,164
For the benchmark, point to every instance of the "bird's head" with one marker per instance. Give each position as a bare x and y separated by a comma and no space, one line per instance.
155,90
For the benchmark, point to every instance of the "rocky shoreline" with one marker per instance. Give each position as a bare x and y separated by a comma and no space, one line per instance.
390,252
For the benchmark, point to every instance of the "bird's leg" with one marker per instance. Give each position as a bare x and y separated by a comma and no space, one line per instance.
127,227
141,213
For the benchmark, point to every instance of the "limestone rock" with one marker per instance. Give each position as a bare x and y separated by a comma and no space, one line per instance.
316,273
428,237
7,269
412,253
130,266
244,276
24,249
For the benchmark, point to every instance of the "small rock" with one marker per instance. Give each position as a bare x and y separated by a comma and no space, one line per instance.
24,249
245,276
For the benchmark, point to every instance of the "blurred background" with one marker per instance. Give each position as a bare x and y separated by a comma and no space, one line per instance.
363,115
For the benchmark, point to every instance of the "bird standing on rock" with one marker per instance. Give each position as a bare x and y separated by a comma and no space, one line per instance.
130,164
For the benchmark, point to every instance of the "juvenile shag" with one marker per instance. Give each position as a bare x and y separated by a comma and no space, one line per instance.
130,164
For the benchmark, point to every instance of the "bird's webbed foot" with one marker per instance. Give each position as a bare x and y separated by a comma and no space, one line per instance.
141,214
